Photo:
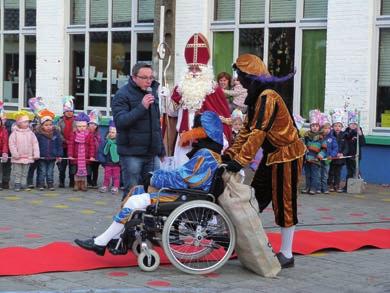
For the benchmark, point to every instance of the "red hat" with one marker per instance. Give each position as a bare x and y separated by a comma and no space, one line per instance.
197,50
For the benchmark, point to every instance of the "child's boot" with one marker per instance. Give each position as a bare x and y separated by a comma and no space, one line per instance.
83,185
76,185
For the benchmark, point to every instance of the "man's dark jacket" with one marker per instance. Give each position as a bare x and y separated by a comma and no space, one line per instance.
138,129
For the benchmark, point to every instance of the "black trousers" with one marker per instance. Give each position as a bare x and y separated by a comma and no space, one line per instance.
93,173
335,175
62,170
278,184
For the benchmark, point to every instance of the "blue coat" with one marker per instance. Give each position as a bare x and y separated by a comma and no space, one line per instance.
50,148
332,146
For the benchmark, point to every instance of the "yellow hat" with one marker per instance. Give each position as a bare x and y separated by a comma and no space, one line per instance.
22,116
251,64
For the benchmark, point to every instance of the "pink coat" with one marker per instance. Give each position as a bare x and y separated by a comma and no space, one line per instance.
23,145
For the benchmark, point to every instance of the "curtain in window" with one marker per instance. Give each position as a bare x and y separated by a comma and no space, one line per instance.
145,10
313,71
385,8
121,13
77,12
252,11
223,52
282,10
384,58
224,9
315,9
383,94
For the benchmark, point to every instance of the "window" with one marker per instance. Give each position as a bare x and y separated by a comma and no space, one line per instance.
223,48
282,10
385,7
224,9
383,92
315,9
102,51
281,59
313,71
383,80
270,29
17,52
252,11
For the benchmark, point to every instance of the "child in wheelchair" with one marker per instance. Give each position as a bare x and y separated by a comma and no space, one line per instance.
197,174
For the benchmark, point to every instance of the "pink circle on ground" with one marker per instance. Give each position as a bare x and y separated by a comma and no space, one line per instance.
158,283
5,229
323,210
327,218
357,214
118,274
212,275
32,235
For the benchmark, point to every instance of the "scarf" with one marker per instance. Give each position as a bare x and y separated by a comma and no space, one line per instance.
81,140
111,148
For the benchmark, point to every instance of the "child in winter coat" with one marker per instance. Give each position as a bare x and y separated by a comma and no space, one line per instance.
351,135
239,94
50,146
80,150
337,164
3,142
331,151
108,156
24,149
316,151
94,137
67,125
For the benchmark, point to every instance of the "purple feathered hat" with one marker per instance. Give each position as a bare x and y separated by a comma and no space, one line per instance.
111,124
82,117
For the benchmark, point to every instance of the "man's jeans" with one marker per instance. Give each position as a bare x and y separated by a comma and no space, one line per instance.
134,169
46,173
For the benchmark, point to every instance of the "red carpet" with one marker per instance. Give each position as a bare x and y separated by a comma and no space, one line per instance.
64,257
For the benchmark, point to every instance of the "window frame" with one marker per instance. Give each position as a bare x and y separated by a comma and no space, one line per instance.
300,24
21,32
381,22
135,29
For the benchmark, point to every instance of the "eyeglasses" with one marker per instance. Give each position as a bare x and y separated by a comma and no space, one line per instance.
151,78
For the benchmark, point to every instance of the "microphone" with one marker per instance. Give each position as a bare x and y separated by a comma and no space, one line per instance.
149,90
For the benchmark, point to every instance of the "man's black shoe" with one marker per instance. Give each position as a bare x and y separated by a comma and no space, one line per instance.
90,245
284,261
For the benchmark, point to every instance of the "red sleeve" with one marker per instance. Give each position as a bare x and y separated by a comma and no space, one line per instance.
217,102
91,145
70,144
176,97
5,142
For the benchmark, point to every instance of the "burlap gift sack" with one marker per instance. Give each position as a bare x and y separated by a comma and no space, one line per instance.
252,246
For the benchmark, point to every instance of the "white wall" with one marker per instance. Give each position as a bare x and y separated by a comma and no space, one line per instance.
50,52
192,16
349,54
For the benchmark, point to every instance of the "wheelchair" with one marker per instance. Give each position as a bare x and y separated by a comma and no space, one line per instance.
194,232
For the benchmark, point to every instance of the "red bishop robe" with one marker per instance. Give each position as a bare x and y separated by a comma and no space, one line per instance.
215,102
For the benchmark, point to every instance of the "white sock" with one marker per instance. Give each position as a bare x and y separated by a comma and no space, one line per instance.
114,230
287,240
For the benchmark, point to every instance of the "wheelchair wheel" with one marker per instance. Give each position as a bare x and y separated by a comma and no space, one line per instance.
198,237
148,263
136,246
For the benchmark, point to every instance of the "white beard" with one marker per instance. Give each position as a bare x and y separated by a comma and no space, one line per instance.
194,89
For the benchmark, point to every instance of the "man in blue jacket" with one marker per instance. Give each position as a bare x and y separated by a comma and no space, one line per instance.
137,118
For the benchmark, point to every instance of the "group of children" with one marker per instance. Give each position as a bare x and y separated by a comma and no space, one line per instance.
329,148
74,142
